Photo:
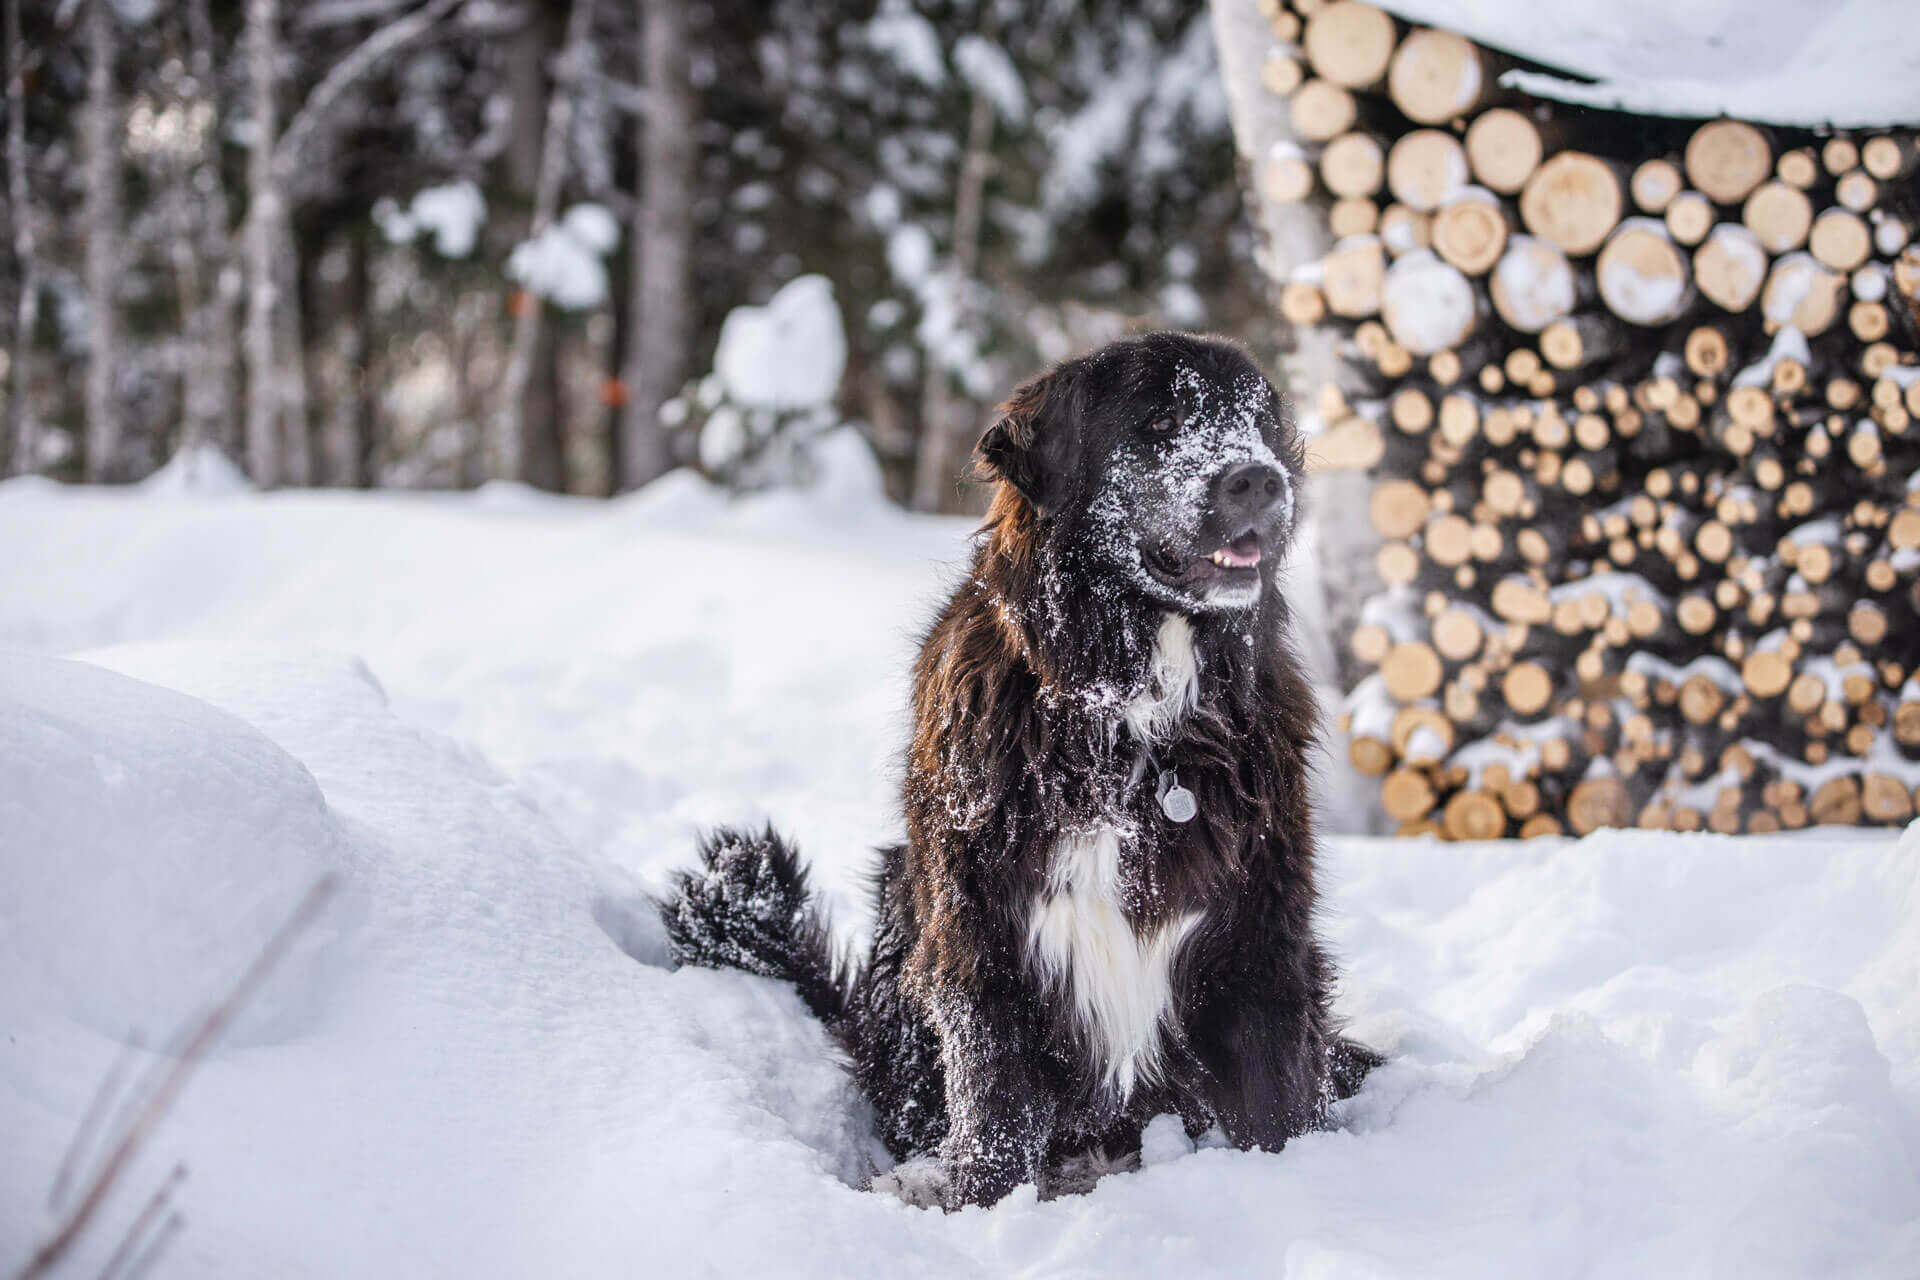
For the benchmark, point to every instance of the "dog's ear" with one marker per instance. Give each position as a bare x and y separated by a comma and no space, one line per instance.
1026,446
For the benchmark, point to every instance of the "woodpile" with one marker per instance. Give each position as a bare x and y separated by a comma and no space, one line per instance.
1642,403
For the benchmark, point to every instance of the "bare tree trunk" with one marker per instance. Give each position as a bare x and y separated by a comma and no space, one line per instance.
101,130
24,423
289,353
344,453
202,253
510,444
279,443
660,305
945,423
265,208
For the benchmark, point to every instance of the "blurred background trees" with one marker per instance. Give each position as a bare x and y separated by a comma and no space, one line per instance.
430,243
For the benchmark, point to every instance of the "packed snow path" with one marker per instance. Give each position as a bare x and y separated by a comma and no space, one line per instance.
500,717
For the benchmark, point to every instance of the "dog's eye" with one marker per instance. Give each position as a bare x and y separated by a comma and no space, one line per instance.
1163,425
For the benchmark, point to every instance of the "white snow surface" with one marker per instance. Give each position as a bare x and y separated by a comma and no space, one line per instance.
498,721
1846,63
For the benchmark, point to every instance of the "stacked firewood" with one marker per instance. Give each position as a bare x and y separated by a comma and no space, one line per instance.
1643,404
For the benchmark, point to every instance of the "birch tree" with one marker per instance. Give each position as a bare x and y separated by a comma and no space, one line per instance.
945,424
276,375
101,132
266,212
201,250
23,423
660,305
510,437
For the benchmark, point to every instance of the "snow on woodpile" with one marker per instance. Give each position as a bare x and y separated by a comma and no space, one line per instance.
1847,63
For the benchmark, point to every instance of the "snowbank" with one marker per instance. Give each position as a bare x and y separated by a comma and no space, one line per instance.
1844,63
1632,1055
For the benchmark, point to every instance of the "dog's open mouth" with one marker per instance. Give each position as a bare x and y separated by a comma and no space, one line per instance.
1236,560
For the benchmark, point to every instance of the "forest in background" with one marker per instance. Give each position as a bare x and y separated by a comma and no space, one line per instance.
431,243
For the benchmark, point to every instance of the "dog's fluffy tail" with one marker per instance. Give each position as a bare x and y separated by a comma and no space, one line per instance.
747,906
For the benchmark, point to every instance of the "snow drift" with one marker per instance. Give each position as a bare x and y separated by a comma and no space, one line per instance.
499,721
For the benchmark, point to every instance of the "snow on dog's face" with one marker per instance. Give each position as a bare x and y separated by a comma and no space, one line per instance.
1165,461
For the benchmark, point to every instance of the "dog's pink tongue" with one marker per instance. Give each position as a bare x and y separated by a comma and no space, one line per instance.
1242,552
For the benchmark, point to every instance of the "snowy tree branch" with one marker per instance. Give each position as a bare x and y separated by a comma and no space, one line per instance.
344,73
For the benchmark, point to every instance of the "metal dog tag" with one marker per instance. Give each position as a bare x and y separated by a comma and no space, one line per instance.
1176,801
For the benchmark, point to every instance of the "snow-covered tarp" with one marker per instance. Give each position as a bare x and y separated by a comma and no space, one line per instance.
1845,63
499,718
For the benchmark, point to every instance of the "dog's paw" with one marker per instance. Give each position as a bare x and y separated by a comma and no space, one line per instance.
922,1182
1076,1175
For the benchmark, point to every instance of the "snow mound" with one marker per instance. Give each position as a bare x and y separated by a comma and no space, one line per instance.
197,469
149,845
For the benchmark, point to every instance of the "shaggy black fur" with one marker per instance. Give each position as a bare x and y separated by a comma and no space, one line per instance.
1124,478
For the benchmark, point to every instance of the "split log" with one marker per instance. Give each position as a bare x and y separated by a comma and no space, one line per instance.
1470,231
1803,293
1302,303
1731,267
1353,165
1428,305
1351,444
1573,201
1799,168
1407,795
1436,76
1689,217
1839,239
1402,230
1579,341
1503,149
1779,215
1533,284
1856,191
1320,110
1474,815
1353,216
1351,277
1890,156
1654,185
1726,160
1349,43
1643,277
1413,671
1426,168
1599,802
1281,73
1286,176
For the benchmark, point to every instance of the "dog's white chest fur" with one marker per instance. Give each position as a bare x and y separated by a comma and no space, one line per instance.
1119,978
1173,684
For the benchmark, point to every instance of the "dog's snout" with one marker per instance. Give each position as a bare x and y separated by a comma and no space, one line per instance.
1249,492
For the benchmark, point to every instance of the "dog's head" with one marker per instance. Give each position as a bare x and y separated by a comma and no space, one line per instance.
1164,460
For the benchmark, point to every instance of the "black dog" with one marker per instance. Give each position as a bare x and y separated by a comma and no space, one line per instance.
1104,907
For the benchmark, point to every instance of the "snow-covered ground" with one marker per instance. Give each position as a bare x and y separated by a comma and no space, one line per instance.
499,717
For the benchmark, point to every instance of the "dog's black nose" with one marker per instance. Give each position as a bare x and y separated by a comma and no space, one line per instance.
1247,494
